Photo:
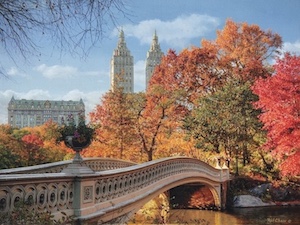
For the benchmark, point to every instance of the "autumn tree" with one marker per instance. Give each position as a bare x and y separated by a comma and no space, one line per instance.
191,72
155,118
131,124
70,25
30,145
9,157
240,53
33,151
243,50
279,100
175,85
115,118
49,132
13,147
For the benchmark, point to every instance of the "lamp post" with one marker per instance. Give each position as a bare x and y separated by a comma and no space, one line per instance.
236,160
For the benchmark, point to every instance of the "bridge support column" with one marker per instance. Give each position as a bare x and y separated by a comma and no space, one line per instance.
224,186
83,189
223,195
83,200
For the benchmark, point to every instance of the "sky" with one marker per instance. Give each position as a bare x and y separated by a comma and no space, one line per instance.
179,24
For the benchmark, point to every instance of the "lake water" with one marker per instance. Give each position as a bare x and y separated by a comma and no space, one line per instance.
241,216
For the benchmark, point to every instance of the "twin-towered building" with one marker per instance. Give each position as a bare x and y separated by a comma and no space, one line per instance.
30,113
122,64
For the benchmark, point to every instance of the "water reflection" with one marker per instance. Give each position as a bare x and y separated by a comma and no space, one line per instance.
202,217
246,216
241,216
269,215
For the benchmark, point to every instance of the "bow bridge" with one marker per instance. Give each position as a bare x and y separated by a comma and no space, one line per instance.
104,191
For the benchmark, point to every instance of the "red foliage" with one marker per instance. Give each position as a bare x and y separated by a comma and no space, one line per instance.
32,140
202,198
279,99
191,71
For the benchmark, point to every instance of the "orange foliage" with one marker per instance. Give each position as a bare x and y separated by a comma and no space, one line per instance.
243,50
115,119
174,145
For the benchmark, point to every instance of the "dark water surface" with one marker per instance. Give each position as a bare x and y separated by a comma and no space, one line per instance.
242,216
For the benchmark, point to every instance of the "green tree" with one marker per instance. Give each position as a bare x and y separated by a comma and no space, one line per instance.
7,158
11,146
226,122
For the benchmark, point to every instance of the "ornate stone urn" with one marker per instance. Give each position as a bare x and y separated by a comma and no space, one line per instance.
77,145
76,137
77,166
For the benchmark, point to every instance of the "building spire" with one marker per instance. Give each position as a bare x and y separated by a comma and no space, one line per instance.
122,70
155,44
154,56
121,38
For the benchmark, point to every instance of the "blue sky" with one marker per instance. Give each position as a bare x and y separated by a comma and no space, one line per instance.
179,24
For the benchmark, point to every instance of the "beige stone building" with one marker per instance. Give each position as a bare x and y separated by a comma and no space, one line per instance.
154,56
122,64
30,113
121,67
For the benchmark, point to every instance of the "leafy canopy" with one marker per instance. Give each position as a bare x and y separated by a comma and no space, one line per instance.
279,99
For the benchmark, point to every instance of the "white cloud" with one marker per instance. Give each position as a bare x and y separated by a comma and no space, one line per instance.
292,47
56,71
32,94
4,100
177,32
90,99
14,72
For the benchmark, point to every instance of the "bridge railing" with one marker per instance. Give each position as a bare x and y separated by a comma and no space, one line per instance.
119,182
48,192
85,195
96,164
110,189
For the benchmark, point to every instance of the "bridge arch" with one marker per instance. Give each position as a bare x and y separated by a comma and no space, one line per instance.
161,204
213,187
162,176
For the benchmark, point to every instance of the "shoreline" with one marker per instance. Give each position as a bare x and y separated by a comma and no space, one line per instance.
288,203
250,201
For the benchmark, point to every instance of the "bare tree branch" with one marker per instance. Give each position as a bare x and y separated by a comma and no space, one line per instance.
74,26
